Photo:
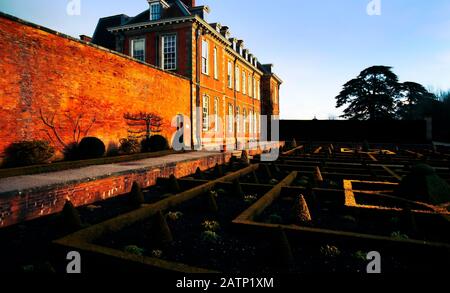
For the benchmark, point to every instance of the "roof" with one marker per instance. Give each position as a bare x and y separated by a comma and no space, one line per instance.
176,12
102,36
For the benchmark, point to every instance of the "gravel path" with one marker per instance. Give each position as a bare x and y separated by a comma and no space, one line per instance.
26,182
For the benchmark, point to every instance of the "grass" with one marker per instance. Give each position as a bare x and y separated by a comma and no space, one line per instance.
66,165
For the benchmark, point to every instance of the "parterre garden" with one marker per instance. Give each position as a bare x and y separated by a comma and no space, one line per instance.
319,208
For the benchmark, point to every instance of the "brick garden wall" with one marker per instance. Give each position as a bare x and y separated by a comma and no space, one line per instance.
19,206
41,70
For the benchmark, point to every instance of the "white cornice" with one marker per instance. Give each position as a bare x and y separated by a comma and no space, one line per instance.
191,18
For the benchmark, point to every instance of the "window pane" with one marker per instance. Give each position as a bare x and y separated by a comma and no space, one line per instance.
205,55
205,113
216,114
155,11
230,119
138,49
216,71
169,52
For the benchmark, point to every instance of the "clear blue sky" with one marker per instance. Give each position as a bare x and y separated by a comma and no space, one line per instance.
315,45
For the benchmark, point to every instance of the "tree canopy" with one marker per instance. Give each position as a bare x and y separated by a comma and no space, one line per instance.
371,95
377,94
415,102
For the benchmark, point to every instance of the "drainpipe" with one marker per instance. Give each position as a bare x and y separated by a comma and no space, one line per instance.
235,105
198,34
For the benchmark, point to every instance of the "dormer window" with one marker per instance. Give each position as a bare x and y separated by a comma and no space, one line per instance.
155,11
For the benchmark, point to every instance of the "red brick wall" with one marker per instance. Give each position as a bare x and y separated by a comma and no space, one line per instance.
30,204
43,70
153,45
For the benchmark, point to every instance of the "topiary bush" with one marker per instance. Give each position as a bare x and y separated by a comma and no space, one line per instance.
129,146
145,145
26,153
70,152
113,149
91,148
136,196
70,220
155,143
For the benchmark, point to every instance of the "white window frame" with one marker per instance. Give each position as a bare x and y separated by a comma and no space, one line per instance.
258,120
216,64
237,76
230,75
238,119
230,119
205,113
254,87
244,113
250,94
258,90
205,57
173,66
250,125
216,114
244,82
275,95
132,48
255,124
157,6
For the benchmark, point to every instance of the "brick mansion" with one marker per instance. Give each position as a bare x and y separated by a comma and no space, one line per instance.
168,60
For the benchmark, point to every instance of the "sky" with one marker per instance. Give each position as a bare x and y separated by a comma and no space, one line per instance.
316,46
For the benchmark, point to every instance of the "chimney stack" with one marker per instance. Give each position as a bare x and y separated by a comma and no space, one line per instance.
85,38
189,3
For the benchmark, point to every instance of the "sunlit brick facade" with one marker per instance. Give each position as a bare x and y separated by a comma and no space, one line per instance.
228,92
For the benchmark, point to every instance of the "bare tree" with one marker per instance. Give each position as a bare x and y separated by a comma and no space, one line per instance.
75,121
143,125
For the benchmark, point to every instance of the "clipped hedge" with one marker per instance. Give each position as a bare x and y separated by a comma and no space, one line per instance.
26,153
91,148
155,143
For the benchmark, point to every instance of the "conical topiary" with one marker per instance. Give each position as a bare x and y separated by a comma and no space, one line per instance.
318,179
237,189
293,143
212,202
231,163
199,174
218,171
161,230
424,185
174,187
244,158
136,195
301,214
70,218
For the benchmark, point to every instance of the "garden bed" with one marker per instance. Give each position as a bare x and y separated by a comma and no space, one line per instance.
114,239
202,237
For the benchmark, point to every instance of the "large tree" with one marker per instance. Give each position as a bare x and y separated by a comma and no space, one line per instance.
370,96
416,102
